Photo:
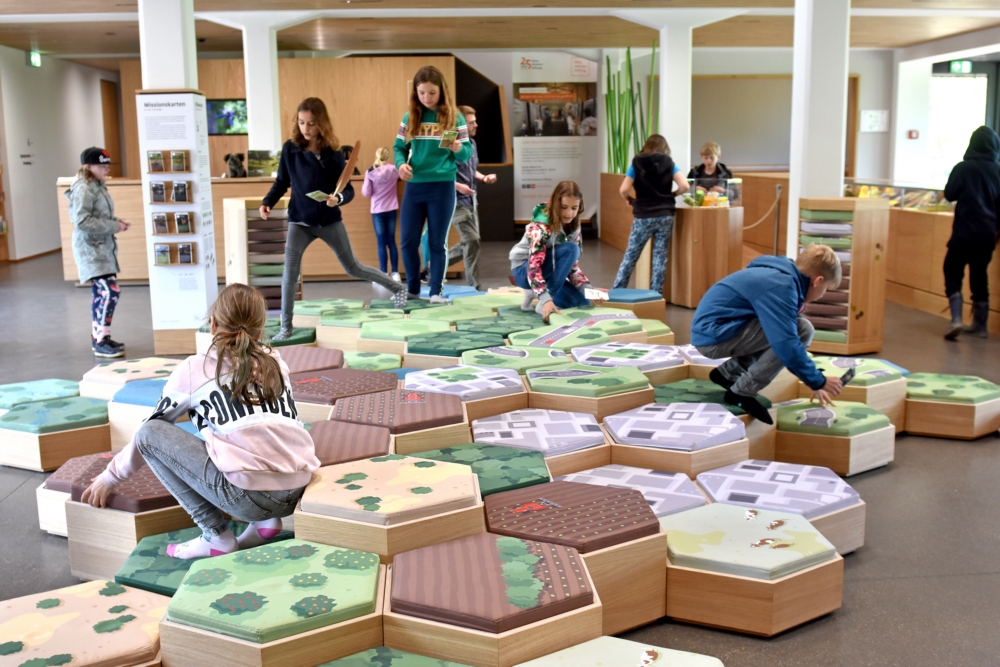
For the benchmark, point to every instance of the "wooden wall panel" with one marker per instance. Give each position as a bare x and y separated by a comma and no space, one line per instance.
130,78
758,195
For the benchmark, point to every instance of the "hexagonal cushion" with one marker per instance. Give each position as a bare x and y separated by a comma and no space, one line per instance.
120,372
845,419
519,359
303,359
654,327
449,291
760,544
411,306
550,432
389,657
494,583
149,567
451,343
626,295
326,387
615,652
88,467
354,318
502,326
141,392
316,307
401,411
586,517
141,492
299,336
36,390
491,301
666,492
685,427
640,355
372,361
401,373
61,414
950,388
401,330
470,383
699,391
784,487
452,313
586,381
867,372
691,353
610,320
340,442
563,338
96,623
498,468
388,490
813,214
277,591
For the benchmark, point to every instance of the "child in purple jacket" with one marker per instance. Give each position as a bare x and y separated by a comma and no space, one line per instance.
380,185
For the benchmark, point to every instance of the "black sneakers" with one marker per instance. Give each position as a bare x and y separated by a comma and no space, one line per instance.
107,348
752,406
718,378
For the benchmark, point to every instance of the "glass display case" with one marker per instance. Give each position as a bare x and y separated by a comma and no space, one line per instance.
900,194
715,192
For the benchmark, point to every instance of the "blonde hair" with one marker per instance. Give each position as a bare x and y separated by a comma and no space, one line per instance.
86,174
820,260
447,114
711,148
382,156
240,313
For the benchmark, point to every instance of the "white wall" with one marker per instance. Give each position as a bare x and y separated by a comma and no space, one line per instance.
50,113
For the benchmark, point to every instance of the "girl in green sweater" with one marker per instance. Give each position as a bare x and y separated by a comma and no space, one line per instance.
429,169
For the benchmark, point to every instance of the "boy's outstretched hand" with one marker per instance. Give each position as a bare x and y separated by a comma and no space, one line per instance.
96,494
547,309
828,392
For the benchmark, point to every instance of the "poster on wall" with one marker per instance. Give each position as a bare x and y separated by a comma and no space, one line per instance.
554,122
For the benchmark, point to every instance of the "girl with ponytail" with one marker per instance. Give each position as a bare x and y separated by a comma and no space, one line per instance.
253,458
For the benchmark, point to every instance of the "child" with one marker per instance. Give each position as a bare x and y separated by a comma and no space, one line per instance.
95,250
256,459
430,171
753,317
545,262
711,175
975,184
380,185
653,173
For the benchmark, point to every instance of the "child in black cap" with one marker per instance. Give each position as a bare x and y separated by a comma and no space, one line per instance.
95,250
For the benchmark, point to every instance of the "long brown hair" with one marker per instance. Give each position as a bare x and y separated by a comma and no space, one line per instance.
446,111
86,174
655,144
326,139
563,189
240,313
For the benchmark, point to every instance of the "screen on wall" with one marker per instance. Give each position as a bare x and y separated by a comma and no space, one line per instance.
227,116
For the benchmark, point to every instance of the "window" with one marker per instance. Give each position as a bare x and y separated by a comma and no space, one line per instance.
958,107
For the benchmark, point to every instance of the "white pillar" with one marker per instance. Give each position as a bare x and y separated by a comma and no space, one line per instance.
260,63
674,69
819,105
167,44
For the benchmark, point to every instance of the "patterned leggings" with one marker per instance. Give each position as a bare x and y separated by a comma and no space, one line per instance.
642,229
102,308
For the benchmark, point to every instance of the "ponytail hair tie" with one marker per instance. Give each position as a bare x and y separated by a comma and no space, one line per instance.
243,328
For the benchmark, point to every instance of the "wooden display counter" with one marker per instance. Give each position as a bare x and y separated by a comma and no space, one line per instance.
318,262
758,195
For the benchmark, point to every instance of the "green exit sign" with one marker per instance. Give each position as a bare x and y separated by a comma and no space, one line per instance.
35,59
961,66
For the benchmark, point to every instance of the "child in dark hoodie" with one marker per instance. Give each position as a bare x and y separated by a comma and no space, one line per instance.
974,184
754,317
653,173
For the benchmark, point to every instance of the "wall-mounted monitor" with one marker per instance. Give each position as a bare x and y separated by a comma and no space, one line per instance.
227,116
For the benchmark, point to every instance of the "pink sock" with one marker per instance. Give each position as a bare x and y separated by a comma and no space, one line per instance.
259,532
204,546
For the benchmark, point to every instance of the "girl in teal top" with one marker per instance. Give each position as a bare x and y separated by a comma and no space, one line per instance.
430,173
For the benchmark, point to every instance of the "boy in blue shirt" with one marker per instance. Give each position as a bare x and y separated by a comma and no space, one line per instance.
754,317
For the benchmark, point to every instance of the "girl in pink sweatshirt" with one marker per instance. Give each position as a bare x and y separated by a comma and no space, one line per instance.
256,459
380,185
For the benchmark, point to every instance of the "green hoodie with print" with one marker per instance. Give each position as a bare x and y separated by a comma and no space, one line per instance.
430,162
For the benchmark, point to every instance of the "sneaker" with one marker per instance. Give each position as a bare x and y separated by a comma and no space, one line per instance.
413,297
399,299
120,346
437,298
284,334
716,376
395,276
752,406
103,348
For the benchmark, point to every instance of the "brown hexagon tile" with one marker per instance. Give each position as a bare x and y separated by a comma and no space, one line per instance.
401,410
326,387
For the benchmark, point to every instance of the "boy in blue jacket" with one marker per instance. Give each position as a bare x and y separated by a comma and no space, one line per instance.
754,317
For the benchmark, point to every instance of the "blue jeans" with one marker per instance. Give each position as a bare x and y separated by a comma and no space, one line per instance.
660,230
435,204
558,263
385,234
181,461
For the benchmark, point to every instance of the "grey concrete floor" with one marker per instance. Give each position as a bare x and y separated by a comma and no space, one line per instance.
924,590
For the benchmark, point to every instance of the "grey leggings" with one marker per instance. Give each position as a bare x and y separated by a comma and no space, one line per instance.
181,461
335,235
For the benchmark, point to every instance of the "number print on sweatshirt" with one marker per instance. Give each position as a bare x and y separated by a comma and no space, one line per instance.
211,403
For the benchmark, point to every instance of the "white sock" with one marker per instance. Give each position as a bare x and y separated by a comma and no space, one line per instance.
259,532
529,296
204,546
